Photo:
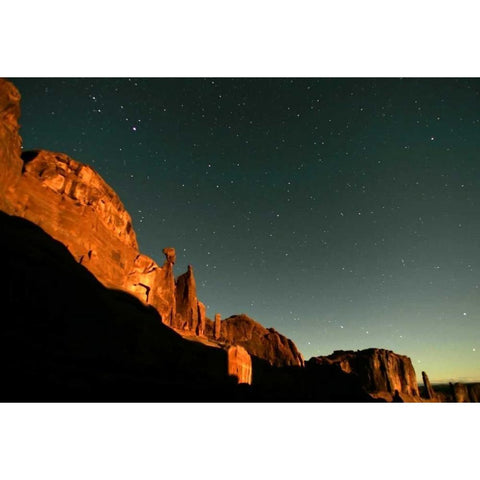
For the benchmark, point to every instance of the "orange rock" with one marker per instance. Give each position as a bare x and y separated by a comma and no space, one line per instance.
201,320
169,252
10,140
217,326
380,371
240,364
264,343
73,204
186,302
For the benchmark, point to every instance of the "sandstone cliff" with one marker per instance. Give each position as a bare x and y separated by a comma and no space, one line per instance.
73,204
381,372
10,141
264,343
66,337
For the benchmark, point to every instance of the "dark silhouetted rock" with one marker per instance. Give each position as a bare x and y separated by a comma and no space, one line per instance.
460,392
66,337
464,393
429,392
312,383
264,343
240,364
474,392
380,371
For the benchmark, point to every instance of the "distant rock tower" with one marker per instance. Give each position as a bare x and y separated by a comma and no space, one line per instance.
217,327
429,392
201,320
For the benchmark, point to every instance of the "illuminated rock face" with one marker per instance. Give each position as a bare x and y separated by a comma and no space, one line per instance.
240,364
73,204
217,327
10,141
259,341
379,370
186,302
201,329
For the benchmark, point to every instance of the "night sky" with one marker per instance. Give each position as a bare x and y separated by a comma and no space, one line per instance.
341,212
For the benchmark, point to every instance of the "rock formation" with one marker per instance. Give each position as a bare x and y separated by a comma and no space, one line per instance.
240,364
266,344
10,141
201,329
217,327
72,203
429,392
464,393
380,371
76,320
170,255
186,302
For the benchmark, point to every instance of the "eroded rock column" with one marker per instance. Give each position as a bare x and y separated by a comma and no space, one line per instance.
201,319
217,327
429,392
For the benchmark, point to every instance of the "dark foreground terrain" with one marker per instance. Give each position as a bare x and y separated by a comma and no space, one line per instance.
68,338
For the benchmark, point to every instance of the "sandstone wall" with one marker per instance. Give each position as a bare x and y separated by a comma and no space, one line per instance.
73,204
240,364
10,141
379,370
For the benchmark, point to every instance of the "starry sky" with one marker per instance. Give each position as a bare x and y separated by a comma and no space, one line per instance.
341,212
